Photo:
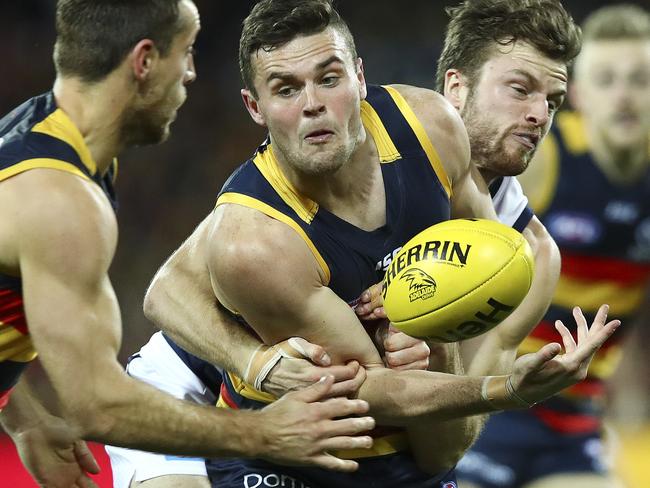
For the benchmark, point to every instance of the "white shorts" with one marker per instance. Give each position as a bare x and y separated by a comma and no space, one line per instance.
158,365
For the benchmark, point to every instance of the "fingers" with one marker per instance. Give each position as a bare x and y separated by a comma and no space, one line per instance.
315,392
85,458
366,312
315,353
343,407
371,304
349,427
601,316
341,373
536,360
416,357
581,322
351,386
397,340
332,463
345,442
567,338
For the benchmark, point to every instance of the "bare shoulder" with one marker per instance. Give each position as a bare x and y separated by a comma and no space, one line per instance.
54,216
251,250
443,125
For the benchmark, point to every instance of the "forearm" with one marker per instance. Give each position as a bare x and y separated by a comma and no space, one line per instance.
115,415
190,315
405,398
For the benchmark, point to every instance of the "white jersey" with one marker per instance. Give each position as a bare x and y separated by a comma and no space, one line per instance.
510,202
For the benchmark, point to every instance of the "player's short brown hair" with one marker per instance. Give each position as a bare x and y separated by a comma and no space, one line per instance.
273,23
94,36
476,25
613,22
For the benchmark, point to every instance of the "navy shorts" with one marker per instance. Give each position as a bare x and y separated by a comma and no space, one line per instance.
392,471
516,448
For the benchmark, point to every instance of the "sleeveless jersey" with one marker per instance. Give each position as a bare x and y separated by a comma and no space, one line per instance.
603,232
35,135
417,193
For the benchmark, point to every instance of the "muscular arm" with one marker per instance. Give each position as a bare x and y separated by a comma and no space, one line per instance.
63,250
181,302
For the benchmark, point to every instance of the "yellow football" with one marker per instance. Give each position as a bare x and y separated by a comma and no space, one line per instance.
457,279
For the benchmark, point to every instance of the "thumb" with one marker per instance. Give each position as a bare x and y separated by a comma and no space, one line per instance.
535,361
85,458
316,392
315,353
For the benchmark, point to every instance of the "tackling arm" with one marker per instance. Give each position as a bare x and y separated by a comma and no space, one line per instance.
181,302
64,250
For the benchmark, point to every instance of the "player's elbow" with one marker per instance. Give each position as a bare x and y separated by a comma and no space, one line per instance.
155,298
87,412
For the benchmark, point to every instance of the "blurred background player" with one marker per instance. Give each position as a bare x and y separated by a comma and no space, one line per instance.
590,185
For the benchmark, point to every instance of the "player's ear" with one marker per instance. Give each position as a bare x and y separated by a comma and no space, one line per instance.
253,107
144,57
456,89
361,77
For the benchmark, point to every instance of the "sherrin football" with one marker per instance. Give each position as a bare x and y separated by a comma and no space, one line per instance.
457,279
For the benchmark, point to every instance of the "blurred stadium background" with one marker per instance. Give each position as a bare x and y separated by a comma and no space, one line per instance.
166,191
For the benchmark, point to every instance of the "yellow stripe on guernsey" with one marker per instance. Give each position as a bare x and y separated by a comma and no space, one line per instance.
59,125
246,201
15,346
372,122
603,364
621,299
38,163
423,138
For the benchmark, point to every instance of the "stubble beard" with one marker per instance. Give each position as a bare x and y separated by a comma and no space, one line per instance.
488,147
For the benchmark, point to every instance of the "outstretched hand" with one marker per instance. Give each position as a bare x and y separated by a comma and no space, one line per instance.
303,427
540,375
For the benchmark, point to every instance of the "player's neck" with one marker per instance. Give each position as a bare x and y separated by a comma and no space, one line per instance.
622,166
355,192
96,113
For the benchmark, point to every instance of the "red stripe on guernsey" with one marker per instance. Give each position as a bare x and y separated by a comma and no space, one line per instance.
4,398
587,388
225,395
547,332
567,423
597,268
12,311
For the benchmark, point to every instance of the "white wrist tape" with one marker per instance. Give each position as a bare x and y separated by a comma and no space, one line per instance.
266,357
500,394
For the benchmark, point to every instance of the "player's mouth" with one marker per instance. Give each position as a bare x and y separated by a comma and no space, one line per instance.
527,139
319,136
